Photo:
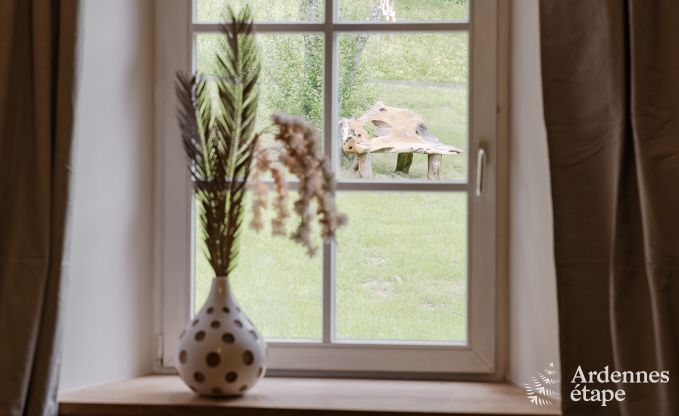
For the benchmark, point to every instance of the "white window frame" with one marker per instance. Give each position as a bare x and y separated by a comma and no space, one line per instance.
482,355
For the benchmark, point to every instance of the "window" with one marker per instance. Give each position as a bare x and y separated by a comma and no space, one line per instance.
410,284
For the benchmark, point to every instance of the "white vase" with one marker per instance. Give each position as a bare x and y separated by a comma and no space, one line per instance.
220,352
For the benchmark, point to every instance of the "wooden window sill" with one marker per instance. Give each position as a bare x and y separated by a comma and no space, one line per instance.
167,396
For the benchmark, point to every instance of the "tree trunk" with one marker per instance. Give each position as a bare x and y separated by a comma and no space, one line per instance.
403,162
313,64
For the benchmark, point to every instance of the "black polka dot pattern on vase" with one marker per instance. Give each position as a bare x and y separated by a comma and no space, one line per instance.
248,358
220,353
212,359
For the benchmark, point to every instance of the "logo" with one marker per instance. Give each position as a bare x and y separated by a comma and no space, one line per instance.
544,388
598,387
594,386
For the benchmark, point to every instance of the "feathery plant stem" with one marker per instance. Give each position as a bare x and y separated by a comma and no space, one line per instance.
217,117
219,139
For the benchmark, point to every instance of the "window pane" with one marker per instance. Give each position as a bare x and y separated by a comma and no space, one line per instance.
291,80
264,10
401,267
415,86
403,10
278,286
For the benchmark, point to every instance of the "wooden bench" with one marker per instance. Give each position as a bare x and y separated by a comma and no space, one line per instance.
396,130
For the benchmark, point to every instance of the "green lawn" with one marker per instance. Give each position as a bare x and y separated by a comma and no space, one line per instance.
275,281
401,261
401,266
400,272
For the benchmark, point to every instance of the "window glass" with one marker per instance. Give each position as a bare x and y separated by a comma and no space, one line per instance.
265,11
291,79
275,281
401,267
408,90
403,10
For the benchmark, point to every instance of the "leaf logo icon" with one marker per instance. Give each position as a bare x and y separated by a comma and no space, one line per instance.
544,388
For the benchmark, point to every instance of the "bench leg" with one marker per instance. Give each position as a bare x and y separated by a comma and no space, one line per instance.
365,170
434,166
403,162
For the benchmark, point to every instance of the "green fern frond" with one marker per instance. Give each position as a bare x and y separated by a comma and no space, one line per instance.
219,139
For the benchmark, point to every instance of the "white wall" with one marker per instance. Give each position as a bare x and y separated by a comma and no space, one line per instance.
533,316
108,329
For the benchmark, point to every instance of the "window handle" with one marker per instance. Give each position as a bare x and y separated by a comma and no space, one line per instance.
480,166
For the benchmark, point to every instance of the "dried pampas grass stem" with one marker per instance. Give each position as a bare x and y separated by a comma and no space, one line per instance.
301,157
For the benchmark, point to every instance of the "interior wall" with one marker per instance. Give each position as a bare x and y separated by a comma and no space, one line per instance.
532,287
108,328
106,335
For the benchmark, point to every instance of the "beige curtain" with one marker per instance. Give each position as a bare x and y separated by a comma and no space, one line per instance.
37,43
611,99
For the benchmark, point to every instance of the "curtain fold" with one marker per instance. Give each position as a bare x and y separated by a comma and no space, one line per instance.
37,77
610,73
